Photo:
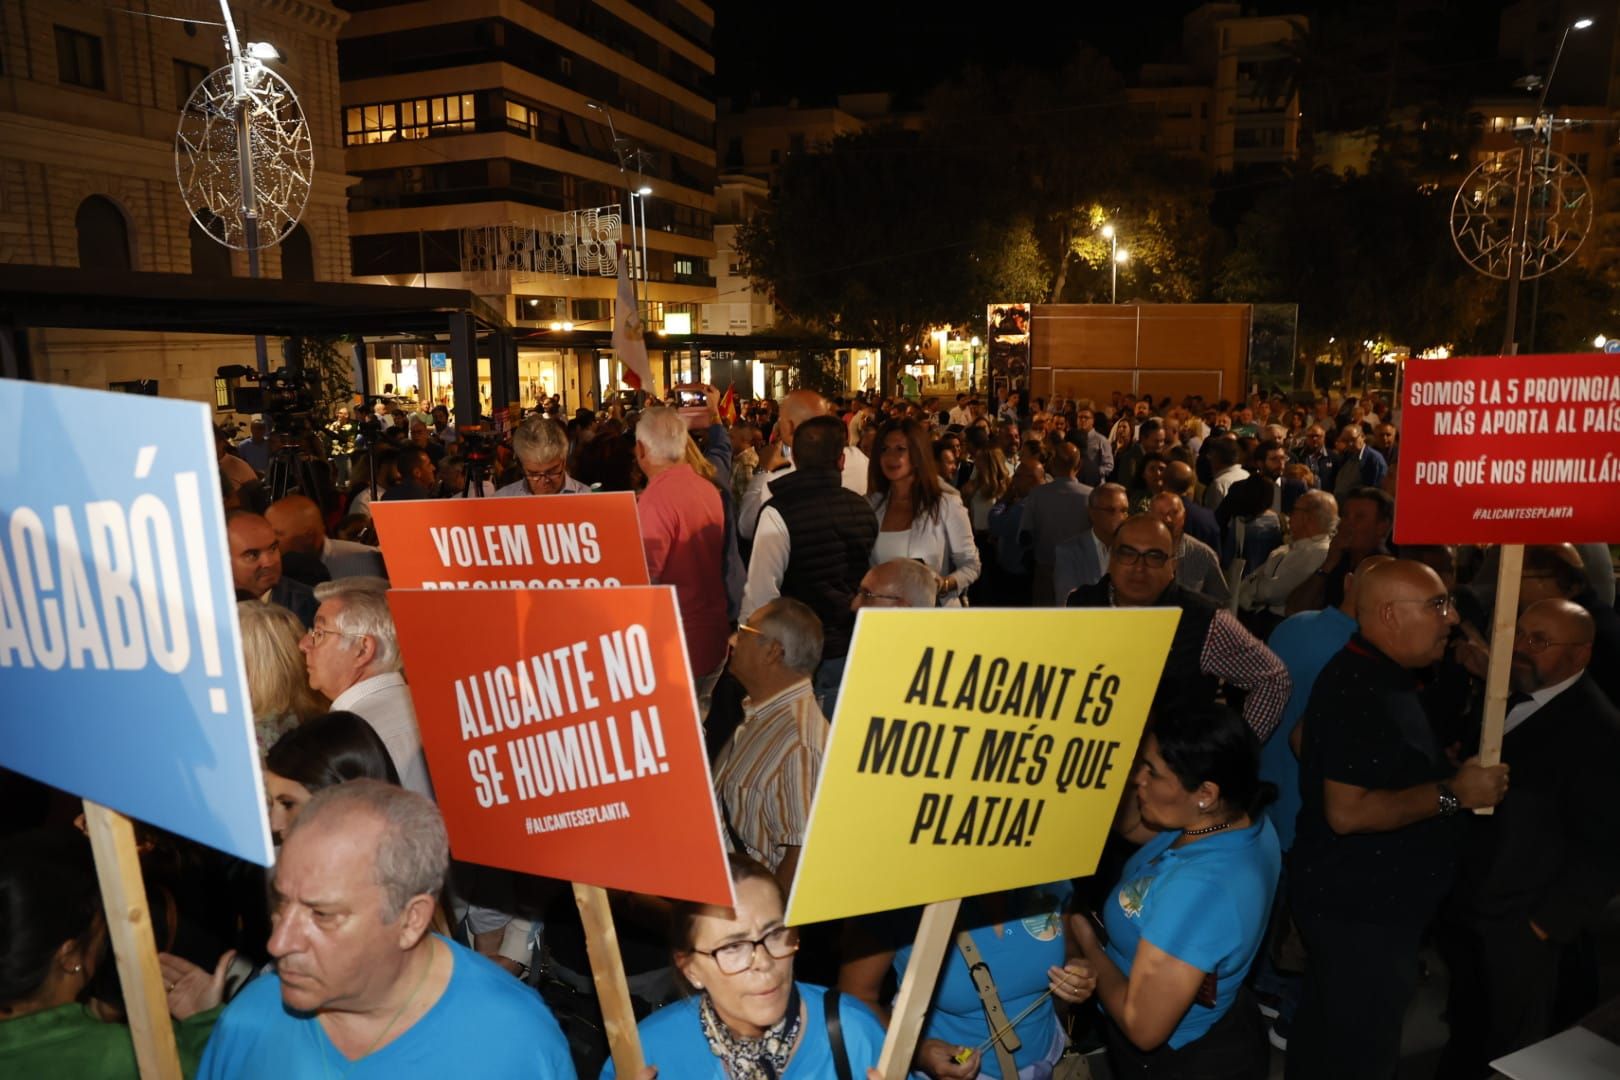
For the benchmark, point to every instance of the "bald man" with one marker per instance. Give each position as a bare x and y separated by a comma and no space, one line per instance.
256,568
300,527
1379,834
796,408
1539,871
1209,647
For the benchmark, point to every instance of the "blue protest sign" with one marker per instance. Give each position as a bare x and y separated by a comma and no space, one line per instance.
120,656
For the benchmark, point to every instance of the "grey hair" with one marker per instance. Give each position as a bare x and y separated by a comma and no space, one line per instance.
914,581
365,614
1321,507
413,853
1100,490
539,440
662,431
791,624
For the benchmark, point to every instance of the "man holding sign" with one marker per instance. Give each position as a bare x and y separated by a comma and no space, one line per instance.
361,988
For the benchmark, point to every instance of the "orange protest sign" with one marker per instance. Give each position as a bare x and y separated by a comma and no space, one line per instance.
537,542
562,735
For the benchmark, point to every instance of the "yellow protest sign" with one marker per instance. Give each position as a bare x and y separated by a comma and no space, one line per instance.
975,751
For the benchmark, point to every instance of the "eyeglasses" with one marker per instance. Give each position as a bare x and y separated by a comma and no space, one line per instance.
750,629
316,633
1440,605
553,475
1537,642
1129,556
870,597
736,957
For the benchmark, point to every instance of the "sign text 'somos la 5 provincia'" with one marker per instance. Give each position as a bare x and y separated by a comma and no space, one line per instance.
562,736
1510,450
120,657
533,542
975,751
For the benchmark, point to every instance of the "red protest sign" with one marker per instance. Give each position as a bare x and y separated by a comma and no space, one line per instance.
1510,450
562,735
534,542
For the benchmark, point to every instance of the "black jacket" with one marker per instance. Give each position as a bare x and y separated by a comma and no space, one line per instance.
831,532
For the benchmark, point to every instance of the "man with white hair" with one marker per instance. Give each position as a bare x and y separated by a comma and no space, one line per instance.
897,583
683,529
766,775
353,658
1310,526
540,445
361,987
797,407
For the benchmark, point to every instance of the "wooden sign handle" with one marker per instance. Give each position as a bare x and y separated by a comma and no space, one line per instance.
129,925
917,988
1498,680
607,971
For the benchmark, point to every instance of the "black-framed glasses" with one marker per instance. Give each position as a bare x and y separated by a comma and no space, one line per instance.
1129,556
554,474
735,957
1537,642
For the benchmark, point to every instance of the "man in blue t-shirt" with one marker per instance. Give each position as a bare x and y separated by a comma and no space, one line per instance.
361,989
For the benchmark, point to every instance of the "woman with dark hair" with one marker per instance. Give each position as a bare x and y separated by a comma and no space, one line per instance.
918,516
749,1019
1188,915
324,751
53,941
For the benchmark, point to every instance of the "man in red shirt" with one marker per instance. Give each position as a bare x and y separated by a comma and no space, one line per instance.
683,530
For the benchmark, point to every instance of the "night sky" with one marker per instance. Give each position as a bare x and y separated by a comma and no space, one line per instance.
814,51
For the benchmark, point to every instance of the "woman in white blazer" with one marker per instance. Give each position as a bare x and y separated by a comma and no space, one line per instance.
919,516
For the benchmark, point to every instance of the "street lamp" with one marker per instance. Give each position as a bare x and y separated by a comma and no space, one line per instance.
1116,258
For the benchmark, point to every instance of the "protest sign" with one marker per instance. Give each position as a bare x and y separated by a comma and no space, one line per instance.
1510,450
562,735
535,542
119,645
975,751
119,648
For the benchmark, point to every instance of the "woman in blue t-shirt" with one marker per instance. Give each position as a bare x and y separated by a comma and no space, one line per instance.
749,1020
1190,909
1019,937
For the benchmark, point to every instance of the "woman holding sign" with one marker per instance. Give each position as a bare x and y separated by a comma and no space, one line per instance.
1189,912
749,1019
919,516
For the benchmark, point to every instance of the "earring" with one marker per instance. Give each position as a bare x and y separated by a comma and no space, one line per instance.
1203,806
75,969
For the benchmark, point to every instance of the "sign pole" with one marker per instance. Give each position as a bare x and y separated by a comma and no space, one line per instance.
607,971
917,988
129,925
1503,628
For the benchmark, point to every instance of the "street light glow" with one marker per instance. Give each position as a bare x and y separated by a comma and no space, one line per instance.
644,189
1600,341
974,343
263,50
1582,24
1121,256
1108,232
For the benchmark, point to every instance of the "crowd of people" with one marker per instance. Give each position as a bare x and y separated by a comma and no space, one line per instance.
1294,835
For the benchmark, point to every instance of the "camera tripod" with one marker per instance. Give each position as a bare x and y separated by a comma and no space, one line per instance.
290,471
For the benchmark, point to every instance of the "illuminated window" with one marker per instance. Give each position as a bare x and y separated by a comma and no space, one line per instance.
416,119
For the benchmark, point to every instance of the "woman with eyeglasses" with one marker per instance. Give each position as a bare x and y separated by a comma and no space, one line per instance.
747,1018
919,516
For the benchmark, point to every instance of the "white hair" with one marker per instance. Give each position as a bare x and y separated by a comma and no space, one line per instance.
540,440
794,626
413,853
915,582
662,431
365,614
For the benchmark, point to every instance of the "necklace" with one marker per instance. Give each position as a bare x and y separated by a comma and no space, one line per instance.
1206,830
399,1012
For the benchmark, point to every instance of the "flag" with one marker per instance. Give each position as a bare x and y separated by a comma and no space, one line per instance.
728,405
629,340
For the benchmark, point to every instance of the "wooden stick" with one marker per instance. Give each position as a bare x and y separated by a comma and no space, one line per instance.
129,925
607,970
917,988
1498,676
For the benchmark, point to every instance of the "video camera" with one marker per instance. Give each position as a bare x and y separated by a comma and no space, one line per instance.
286,400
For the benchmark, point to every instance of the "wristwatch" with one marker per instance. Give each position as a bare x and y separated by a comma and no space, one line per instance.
1449,803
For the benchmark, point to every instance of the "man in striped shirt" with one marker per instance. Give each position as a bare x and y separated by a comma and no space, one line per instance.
766,775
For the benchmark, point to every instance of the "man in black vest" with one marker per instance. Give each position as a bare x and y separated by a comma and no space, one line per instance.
1538,872
814,543
1209,646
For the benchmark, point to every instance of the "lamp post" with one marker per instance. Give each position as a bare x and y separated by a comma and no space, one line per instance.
1117,257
